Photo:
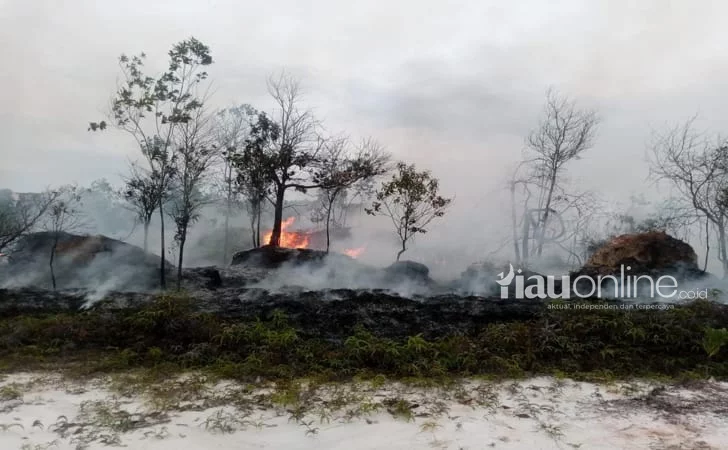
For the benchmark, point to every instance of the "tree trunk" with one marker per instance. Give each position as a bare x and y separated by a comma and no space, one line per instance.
404,248
404,243
275,237
721,246
514,221
229,207
255,210
542,227
162,268
328,231
226,244
525,252
707,244
259,211
146,235
253,216
53,255
180,260
328,223
574,251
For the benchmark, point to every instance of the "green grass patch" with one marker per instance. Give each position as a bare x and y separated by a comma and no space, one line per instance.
169,336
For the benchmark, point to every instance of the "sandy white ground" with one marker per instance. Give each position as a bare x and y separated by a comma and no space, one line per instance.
45,412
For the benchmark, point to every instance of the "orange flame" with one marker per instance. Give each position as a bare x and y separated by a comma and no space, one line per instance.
354,252
301,239
290,239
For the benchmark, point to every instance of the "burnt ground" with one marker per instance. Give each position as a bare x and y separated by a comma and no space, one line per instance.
326,313
241,293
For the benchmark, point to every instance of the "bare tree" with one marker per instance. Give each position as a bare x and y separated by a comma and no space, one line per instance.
697,168
196,154
564,134
525,187
255,170
141,192
63,215
347,201
151,109
285,147
573,214
520,182
232,131
22,213
411,199
340,169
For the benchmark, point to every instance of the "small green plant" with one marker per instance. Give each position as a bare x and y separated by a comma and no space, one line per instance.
107,414
310,429
400,408
162,433
365,407
713,340
258,423
287,394
297,413
44,446
487,396
222,422
155,354
10,392
324,415
553,431
430,426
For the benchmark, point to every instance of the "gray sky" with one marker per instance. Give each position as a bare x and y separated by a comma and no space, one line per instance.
452,86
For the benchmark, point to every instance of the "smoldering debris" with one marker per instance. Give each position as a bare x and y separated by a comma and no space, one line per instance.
100,268
315,270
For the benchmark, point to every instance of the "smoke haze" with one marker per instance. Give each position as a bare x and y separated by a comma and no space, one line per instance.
452,87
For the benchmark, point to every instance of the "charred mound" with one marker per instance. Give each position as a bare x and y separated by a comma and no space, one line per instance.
77,249
402,271
644,253
272,257
83,261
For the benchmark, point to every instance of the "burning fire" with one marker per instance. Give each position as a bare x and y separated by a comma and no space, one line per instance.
290,239
354,252
301,239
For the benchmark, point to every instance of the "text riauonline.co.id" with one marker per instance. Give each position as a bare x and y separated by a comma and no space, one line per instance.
625,285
